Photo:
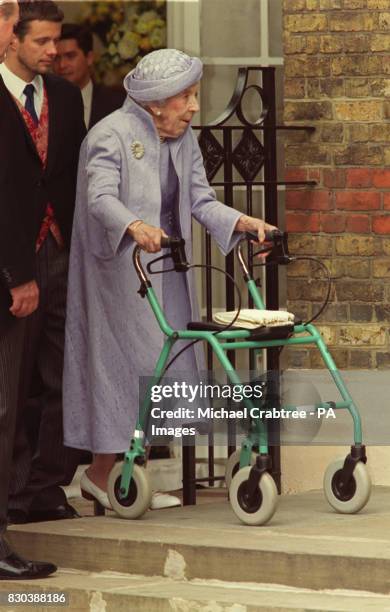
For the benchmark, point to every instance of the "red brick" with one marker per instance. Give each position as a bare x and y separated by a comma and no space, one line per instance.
386,201
333,224
381,178
333,178
358,200
359,177
381,224
296,174
314,174
308,200
358,224
301,222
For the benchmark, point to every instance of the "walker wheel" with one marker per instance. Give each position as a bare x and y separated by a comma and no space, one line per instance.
233,465
259,510
355,496
139,496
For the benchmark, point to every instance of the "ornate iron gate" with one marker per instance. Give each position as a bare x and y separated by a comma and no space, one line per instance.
229,149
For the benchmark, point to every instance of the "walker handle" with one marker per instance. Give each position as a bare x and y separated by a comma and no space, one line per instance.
168,242
178,253
270,235
277,252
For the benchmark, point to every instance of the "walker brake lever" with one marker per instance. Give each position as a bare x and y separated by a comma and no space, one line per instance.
278,252
149,265
177,254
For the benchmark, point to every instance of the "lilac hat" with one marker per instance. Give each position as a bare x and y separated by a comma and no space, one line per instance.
162,74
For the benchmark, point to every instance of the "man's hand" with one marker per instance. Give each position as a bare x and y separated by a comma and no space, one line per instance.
25,299
146,236
256,226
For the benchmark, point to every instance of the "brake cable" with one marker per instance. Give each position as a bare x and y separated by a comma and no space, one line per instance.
219,331
320,264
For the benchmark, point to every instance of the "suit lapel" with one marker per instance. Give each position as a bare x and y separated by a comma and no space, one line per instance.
8,100
54,124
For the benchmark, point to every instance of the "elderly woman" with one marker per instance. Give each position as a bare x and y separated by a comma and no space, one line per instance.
141,177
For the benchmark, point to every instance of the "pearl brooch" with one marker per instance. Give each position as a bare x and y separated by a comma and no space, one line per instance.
137,149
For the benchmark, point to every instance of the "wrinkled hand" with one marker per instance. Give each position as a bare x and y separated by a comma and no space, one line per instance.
259,227
256,226
147,236
25,299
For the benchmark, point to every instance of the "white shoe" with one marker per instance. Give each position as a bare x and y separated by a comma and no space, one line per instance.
92,492
163,500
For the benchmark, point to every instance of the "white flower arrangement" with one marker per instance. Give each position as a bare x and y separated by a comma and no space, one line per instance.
127,32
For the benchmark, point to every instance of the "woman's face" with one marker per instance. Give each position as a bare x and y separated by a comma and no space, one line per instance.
177,112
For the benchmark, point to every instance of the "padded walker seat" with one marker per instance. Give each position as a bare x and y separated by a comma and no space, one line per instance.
259,334
262,325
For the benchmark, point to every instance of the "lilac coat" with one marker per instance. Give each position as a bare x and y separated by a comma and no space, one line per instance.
112,337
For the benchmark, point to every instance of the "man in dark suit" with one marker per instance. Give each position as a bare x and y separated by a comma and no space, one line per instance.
44,114
74,62
11,564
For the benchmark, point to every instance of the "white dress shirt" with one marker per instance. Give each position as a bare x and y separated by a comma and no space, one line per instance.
86,93
16,85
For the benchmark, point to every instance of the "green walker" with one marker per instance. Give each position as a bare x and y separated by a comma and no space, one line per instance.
252,491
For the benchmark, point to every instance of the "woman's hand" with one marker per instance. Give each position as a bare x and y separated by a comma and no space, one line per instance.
256,226
146,236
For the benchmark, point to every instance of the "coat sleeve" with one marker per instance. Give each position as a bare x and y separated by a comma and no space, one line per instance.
103,170
219,219
17,252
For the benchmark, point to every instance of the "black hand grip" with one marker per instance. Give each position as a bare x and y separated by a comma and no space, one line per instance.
273,235
251,236
178,253
275,246
166,242
172,242
270,235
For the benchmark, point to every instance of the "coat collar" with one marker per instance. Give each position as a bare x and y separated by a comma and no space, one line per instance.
131,107
16,85
54,122
12,106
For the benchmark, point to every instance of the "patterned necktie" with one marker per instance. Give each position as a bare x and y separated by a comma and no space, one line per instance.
29,104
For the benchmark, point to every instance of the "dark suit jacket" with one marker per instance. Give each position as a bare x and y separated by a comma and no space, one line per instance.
105,100
26,188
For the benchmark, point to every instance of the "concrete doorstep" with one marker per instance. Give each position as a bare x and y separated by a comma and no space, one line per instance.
307,557
114,592
307,545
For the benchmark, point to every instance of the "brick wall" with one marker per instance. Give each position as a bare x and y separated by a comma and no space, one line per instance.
337,78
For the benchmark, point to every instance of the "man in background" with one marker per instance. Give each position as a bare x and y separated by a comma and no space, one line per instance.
45,116
11,565
74,62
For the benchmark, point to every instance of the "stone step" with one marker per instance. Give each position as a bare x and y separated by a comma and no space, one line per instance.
110,592
306,545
